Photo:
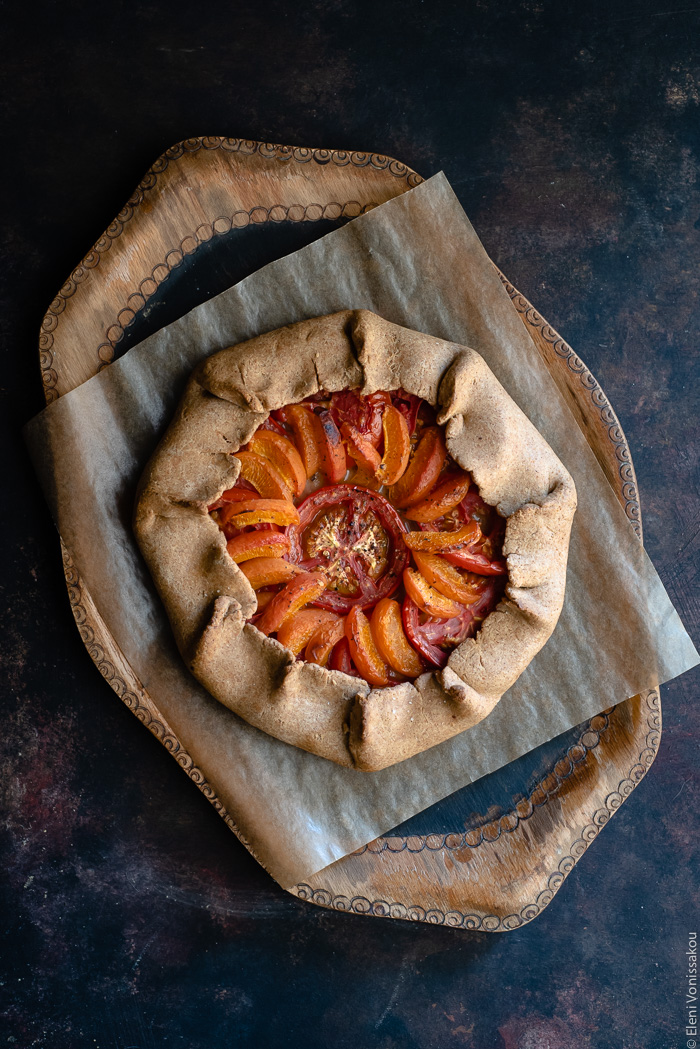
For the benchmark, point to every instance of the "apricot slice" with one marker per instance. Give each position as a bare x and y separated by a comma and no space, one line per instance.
297,593
263,475
260,511
391,641
445,578
257,544
429,599
422,471
302,422
397,446
297,630
432,542
441,500
283,456
363,650
268,571
264,597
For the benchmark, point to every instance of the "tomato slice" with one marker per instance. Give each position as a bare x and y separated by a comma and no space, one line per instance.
435,638
273,423
476,562
360,448
423,470
409,406
340,659
362,413
242,490
354,536
332,449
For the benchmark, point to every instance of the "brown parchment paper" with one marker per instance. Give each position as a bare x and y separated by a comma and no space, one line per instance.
417,262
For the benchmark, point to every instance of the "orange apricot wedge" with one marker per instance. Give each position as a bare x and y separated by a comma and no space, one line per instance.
263,475
268,571
259,511
441,500
257,544
428,599
397,447
264,597
297,630
466,589
365,479
423,470
302,423
391,641
435,542
363,649
283,456
294,596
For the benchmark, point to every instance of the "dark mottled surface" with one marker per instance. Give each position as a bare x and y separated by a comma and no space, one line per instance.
571,134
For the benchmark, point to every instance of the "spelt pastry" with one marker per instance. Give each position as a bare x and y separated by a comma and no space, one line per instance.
210,600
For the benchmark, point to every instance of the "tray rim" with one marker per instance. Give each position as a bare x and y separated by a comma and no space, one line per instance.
206,231
145,711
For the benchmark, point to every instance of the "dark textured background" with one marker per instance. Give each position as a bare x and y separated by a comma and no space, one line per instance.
571,134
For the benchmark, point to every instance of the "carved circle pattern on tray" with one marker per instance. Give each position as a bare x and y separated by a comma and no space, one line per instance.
598,398
220,226
489,833
271,151
137,699
492,922
544,791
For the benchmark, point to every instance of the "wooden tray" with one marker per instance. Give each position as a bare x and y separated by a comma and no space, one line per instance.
493,855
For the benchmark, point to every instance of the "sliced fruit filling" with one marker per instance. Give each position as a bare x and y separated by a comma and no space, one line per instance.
369,549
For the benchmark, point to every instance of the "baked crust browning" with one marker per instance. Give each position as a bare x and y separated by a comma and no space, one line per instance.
208,598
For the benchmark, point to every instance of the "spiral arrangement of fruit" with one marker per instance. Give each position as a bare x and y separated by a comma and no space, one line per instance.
370,550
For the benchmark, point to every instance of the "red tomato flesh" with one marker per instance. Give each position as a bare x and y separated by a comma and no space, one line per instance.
354,536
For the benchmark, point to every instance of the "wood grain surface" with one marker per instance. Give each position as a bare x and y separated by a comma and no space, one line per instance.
501,874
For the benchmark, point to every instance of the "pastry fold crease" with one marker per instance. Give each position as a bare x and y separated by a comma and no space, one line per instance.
208,598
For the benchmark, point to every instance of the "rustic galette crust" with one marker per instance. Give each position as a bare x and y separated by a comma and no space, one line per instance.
208,599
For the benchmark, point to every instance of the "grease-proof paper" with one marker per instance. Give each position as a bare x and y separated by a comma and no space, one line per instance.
416,261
